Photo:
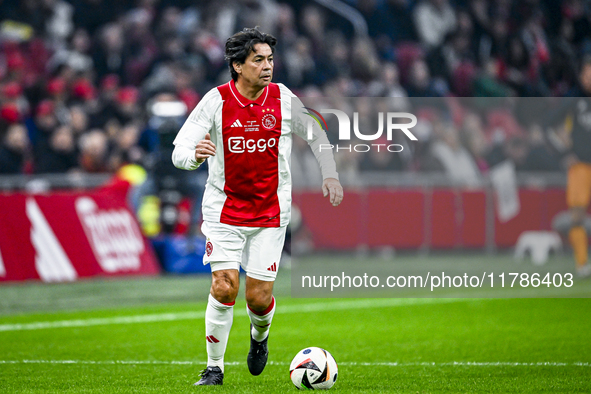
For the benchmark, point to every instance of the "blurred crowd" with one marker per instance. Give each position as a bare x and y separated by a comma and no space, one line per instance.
80,79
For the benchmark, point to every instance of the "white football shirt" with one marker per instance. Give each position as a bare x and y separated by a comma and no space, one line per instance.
249,181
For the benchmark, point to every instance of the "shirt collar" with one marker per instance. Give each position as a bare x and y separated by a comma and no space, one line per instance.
243,101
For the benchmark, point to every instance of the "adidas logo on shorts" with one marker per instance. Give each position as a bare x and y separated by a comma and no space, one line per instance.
273,267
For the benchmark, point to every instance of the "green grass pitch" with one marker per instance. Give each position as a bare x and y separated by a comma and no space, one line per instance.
146,335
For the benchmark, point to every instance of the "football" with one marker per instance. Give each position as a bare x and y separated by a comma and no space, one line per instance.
313,368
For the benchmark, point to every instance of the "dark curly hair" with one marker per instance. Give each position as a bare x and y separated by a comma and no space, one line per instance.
239,46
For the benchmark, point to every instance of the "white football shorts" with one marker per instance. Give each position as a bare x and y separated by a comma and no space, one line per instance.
256,249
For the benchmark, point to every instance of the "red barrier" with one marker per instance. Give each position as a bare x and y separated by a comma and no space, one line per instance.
398,218
444,223
473,219
394,218
555,203
64,236
333,228
529,218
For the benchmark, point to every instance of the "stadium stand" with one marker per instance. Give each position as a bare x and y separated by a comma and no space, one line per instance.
97,63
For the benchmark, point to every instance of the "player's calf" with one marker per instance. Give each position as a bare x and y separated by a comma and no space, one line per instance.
260,323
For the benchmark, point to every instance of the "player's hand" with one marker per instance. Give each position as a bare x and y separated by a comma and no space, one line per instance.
204,149
332,187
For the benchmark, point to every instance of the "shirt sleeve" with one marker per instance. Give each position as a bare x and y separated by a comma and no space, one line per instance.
301,125
199,123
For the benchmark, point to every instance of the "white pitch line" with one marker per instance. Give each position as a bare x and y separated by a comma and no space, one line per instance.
102,321
161,317
347,364
471,364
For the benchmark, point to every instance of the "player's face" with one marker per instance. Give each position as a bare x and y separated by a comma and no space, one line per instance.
257,70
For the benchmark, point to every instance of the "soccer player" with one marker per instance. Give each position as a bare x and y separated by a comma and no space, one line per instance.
577,159
244,128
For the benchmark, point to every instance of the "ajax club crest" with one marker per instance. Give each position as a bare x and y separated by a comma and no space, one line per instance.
269,121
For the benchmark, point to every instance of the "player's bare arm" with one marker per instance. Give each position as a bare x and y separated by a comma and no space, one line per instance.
332,187
204,149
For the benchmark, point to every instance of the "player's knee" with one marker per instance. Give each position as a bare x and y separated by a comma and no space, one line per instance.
258,299
223,292
577,215
224,289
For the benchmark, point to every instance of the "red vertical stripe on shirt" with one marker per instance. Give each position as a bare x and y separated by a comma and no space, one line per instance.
251,151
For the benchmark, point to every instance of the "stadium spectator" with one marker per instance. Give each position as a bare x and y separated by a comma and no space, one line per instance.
365,65
520,68
12,95
93,151
434,19
390,18
493,41
140,44
9,114
78,120
313,26
56,89
82,90
474,139
420,83
14,149
40,127
60,156
285,27
109,56
540,157
92,15
207,51
388,85
487,83
58,21
126,149
335,63
76,55
127,105
451,157
513,148
380,159
299,63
